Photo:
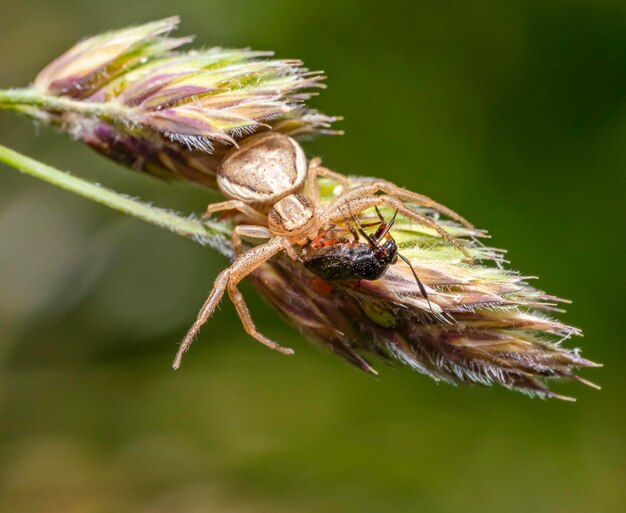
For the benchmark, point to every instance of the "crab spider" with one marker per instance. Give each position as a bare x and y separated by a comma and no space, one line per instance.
268,180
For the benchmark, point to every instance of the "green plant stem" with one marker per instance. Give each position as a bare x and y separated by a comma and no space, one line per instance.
22,99
214,234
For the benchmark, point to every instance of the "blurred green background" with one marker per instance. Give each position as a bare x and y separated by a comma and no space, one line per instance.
512,113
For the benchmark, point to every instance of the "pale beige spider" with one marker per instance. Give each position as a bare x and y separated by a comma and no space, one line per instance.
268,180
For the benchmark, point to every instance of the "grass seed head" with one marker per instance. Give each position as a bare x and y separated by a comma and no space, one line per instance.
135,97
173,113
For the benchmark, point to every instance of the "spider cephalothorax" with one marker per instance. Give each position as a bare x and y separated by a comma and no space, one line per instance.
269,180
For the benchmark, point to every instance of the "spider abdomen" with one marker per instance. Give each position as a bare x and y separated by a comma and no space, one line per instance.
262,170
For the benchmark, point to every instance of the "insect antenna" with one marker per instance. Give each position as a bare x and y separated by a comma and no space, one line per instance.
419,282
373,243
372,240
387,226
360,226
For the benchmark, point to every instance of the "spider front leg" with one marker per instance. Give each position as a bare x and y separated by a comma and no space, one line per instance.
334,214
370,188
227,280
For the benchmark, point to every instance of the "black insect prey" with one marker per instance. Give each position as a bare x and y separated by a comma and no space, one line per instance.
342,259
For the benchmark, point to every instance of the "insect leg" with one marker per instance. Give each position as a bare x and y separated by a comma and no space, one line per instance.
373,240
318,242
383,231
354,232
